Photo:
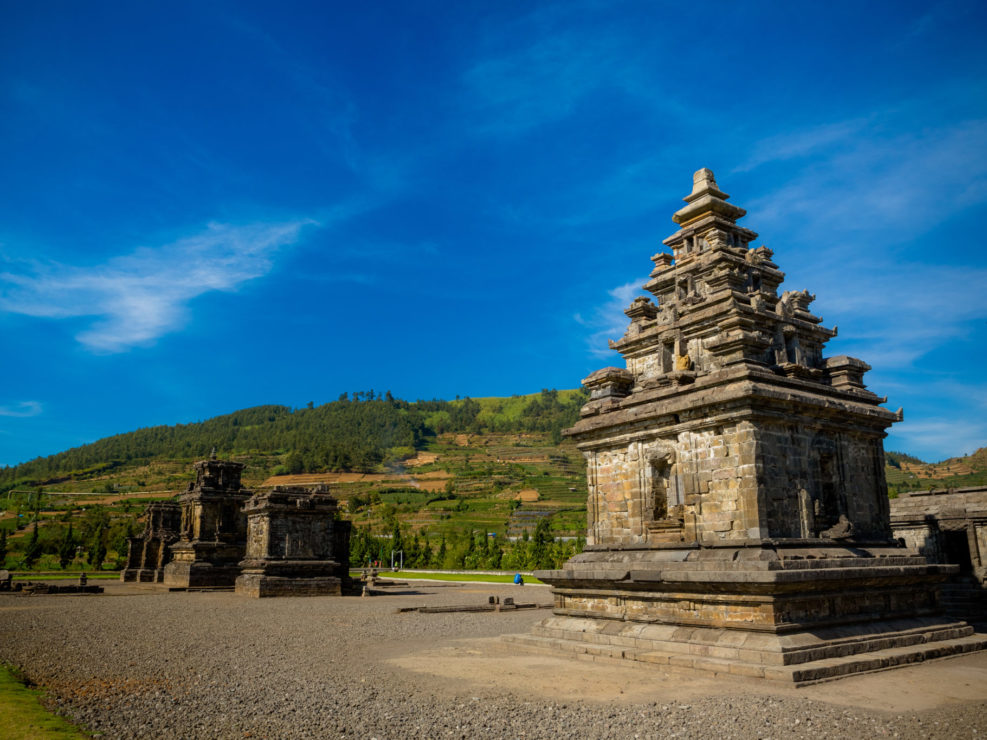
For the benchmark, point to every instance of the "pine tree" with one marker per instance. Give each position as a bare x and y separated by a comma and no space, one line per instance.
66,550
33,550
440,556
541,545
425,559
97,547
397,541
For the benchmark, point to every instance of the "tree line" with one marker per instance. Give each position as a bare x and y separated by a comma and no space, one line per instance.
357,432
466,550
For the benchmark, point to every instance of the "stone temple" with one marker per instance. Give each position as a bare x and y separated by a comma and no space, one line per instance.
286,541
296,544
738,517
148,554
213,535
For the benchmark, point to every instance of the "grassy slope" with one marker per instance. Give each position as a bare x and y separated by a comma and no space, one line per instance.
486,473
23,718
909,474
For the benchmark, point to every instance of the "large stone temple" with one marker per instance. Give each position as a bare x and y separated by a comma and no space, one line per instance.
738,517
213,530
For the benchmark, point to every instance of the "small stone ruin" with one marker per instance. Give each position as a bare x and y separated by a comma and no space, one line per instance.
950,526
149,553
738,518
296,544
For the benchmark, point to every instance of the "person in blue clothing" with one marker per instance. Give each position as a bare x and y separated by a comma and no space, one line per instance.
518,580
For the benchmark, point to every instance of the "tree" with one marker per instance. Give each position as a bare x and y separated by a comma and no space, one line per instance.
425,554
295,463
97,547
3,547
33,550
541,545
397,541
440,556
66,549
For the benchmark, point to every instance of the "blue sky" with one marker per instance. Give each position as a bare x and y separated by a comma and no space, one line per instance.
213,205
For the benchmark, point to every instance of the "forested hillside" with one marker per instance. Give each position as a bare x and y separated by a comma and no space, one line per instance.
358,432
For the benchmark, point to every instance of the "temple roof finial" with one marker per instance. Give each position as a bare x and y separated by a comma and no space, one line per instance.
705,198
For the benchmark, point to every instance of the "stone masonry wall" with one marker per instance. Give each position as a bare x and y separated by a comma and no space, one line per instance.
717,466
698,479
839,473
295,538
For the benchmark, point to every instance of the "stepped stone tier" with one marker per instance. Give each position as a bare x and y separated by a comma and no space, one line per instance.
148,554
738,517
213,529
296,544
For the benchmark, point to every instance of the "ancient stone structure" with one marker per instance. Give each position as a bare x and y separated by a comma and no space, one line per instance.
950,526
149,553
738,518
213,529
296,544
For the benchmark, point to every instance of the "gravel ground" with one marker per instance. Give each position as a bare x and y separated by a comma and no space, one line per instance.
139,662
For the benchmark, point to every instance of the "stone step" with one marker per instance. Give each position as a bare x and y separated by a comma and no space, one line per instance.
760,649
798,675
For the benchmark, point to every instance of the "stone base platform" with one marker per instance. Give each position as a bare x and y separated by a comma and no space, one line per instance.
142,575
260,586
795,658
200,575
793,611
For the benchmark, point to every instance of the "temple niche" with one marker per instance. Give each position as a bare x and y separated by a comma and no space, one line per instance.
213,529
737,515
150,552
296,544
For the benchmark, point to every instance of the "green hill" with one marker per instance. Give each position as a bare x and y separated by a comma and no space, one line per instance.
437,471
907,473
363,433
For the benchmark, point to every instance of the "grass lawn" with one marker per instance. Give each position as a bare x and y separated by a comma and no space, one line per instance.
23,718
470,577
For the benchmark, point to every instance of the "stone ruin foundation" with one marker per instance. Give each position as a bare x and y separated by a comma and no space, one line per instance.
738,519
149,553
950,526
296,544
213,528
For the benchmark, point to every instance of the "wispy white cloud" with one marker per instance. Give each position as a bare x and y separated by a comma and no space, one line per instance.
607,320
892,315
543,80
21,409
799,143
938,438
861,178
138,297
533,85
